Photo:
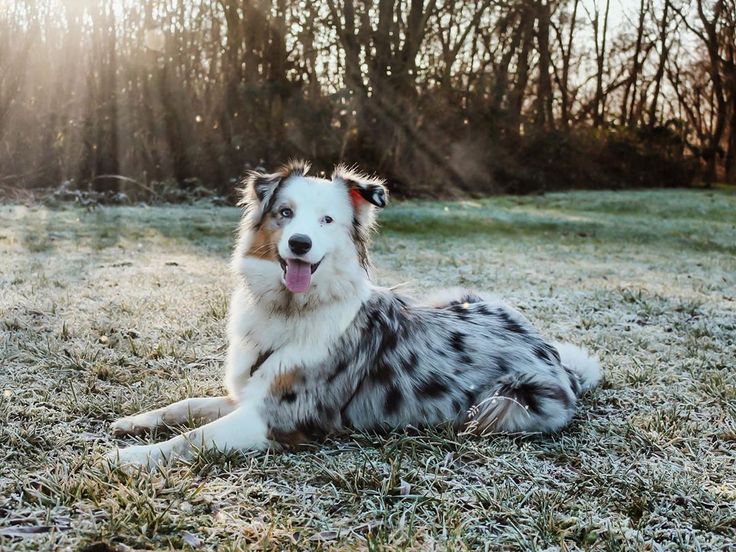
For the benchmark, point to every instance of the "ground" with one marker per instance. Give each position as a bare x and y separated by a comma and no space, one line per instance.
117,310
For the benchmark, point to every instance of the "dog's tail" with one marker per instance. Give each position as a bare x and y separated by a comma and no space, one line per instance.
580,364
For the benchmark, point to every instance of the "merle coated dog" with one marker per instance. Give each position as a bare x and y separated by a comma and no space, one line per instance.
315,346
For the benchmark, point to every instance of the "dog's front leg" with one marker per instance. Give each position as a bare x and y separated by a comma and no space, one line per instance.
242,429
206,409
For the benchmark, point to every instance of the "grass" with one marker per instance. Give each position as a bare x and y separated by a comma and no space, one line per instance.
106,313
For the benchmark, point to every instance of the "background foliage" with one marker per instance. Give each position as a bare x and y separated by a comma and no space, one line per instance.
445,97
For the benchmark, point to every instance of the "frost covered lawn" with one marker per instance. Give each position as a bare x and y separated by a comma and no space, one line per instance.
106,313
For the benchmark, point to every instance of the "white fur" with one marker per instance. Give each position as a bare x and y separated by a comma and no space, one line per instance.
243,428
200,408
577,359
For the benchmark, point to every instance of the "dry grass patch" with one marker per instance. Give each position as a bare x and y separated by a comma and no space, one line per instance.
107,313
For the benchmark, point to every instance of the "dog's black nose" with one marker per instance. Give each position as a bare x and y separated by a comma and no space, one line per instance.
300,244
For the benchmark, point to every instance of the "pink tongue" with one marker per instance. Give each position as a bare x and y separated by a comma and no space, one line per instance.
298,276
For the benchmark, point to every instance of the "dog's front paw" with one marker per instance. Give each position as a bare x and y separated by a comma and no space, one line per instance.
141,456
134,425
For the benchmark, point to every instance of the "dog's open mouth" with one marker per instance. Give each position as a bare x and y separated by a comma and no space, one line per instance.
297,274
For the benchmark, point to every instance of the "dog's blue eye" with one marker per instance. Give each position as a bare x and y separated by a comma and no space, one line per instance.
286,212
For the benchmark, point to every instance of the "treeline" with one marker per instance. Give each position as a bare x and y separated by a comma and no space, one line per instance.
445,97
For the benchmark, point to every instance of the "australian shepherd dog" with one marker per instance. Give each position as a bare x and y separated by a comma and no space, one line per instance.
315,347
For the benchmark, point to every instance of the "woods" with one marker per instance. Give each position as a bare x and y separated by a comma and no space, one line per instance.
444,97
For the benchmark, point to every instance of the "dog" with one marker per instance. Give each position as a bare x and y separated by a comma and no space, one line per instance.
315,347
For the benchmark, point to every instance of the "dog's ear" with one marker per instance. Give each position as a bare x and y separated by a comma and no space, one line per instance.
366,192
260,188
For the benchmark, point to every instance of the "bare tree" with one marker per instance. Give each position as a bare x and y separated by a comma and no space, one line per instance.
463,97
600,34
565,46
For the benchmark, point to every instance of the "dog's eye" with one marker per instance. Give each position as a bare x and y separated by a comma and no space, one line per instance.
327,219
286,212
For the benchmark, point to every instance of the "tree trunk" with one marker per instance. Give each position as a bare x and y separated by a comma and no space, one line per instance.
663,54
499,89
566,55
730,161
544,117
626,113
599,101
516,98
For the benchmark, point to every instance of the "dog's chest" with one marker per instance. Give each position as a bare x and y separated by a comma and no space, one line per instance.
308,335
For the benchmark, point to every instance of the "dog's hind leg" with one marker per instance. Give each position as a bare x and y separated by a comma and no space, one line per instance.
527,404
205,409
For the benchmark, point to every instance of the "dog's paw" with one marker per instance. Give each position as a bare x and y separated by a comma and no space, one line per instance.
141,456
134,425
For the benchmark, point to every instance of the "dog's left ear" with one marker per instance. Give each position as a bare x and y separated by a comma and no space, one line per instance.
366,192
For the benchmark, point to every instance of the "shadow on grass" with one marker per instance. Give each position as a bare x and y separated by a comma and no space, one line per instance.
690,204
671,219
561,225
51,231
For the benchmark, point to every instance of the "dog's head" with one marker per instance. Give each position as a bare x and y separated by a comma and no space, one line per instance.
307,235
